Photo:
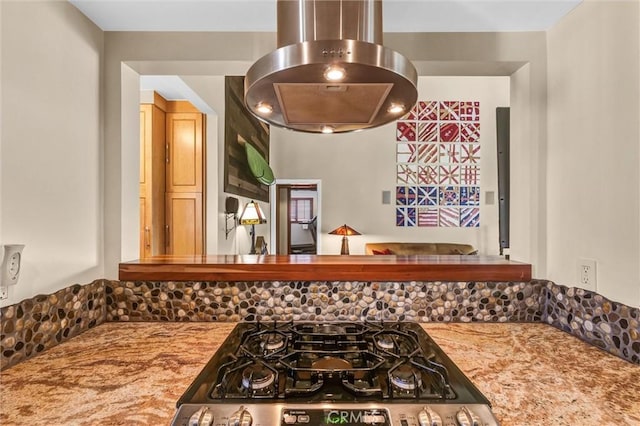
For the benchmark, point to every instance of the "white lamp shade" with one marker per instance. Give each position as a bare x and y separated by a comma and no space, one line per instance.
252,214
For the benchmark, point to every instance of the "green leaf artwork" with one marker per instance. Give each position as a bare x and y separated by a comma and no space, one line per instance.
258,165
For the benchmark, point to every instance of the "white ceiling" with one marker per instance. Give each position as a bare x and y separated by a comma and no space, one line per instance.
260,15
172,87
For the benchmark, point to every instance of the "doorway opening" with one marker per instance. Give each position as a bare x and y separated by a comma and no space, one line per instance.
172,177
295,211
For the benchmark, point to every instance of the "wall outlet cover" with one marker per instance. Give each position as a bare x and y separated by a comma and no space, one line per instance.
11,264
587,274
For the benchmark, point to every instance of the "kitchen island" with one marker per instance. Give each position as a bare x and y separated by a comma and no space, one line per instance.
133,373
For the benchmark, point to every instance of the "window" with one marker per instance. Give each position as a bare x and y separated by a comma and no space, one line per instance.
301,210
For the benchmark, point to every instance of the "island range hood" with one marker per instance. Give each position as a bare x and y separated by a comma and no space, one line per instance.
330,72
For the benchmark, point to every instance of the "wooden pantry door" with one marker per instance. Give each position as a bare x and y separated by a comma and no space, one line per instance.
184,152
152,178
184,232
172,173
185,188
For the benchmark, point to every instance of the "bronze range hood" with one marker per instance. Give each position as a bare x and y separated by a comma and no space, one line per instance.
330,72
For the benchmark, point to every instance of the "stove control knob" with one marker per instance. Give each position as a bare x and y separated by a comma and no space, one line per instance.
206,419
467,417
202,417
428,417
242,417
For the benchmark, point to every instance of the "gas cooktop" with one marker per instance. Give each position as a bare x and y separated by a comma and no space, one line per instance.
358,373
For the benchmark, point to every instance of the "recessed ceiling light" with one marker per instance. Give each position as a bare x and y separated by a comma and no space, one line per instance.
335,73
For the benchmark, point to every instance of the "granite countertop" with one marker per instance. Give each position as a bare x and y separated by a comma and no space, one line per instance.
133,373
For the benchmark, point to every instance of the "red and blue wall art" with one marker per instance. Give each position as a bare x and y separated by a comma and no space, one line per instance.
438,165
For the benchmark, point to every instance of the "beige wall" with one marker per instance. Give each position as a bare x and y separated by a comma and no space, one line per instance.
356,167
211,90
201,54
51,195
130,170
51,76
594,147
525,218
200,59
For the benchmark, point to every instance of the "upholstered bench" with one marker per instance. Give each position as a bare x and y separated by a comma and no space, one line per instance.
419,248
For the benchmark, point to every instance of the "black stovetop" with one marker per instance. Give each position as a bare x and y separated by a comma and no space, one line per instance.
331,362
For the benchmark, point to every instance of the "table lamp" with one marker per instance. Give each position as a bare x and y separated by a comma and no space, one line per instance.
344,230
252,215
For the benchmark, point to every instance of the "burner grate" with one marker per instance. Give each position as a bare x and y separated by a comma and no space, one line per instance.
395,343
333,362
265,344
243,378
309,371
417,378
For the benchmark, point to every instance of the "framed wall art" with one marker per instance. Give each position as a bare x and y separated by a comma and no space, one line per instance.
241,128
438,165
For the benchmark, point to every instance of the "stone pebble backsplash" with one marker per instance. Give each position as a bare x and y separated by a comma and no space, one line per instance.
323,301
611,326
39,323
36,324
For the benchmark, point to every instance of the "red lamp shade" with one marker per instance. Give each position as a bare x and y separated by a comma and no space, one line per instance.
344,230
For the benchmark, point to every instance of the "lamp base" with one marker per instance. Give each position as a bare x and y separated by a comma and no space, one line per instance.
253,239
345,245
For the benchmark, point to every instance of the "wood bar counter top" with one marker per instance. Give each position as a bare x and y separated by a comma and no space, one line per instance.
324,268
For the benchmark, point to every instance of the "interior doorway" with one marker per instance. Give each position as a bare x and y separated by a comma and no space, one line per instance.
295,212
172,175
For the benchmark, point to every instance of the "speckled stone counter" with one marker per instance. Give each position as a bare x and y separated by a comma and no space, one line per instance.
132,374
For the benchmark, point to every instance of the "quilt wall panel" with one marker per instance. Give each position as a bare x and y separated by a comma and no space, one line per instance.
438,165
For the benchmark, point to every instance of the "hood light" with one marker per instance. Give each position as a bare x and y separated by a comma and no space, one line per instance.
395,108
335,74
264,108
327,129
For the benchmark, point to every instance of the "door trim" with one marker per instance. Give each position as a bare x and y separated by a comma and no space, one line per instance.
273,202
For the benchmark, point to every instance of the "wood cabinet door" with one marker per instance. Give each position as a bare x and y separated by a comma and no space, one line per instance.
146,145
145,230
184,152
146,136
152,180
184,218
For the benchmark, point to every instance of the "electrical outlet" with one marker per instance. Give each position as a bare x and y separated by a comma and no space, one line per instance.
587,274
10,270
